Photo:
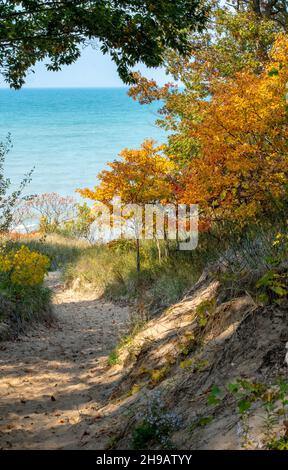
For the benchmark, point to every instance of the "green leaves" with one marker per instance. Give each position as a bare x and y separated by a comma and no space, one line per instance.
204,311
130,31
274,286
273,72
233,388
243,406
279,290
214,396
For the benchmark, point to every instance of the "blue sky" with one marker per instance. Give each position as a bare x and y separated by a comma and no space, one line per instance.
91,70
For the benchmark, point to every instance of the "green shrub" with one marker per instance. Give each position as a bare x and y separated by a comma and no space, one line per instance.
113,358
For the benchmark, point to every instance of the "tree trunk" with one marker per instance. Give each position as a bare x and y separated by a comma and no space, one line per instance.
177,229
138,255
159,249
256,7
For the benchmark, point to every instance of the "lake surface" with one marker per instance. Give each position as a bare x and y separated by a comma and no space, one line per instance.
68,135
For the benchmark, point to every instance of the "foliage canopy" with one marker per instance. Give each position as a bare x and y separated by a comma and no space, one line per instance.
130,31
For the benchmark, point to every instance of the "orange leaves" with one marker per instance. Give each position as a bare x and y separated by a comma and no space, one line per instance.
243,134
146,91
139,176
228,154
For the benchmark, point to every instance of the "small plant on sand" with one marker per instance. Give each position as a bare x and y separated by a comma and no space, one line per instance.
135,389
186,364
246,393
127,343
155,425
214,397
275,405
155,375
113,358
186,343
280,443
273,285
271,403
204,310
200,423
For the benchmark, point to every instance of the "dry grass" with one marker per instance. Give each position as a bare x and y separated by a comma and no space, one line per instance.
59,249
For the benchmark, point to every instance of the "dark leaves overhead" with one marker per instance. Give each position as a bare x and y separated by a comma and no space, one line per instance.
130,31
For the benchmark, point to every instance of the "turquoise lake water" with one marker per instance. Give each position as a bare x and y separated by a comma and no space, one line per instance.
68,135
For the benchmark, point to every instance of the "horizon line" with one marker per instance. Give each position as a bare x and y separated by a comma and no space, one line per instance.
65,88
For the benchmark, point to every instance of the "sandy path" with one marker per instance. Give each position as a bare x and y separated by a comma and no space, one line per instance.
53,379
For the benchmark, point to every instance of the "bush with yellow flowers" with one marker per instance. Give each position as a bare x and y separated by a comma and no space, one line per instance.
22,273
24,267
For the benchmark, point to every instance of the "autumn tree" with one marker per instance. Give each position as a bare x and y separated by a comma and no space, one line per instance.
139,177
228,132
236,41
241,170
130,31
277,10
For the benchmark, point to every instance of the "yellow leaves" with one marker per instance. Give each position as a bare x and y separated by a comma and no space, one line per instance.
25,267
279,51
6,263
139,176
228,153
244,143
281,238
